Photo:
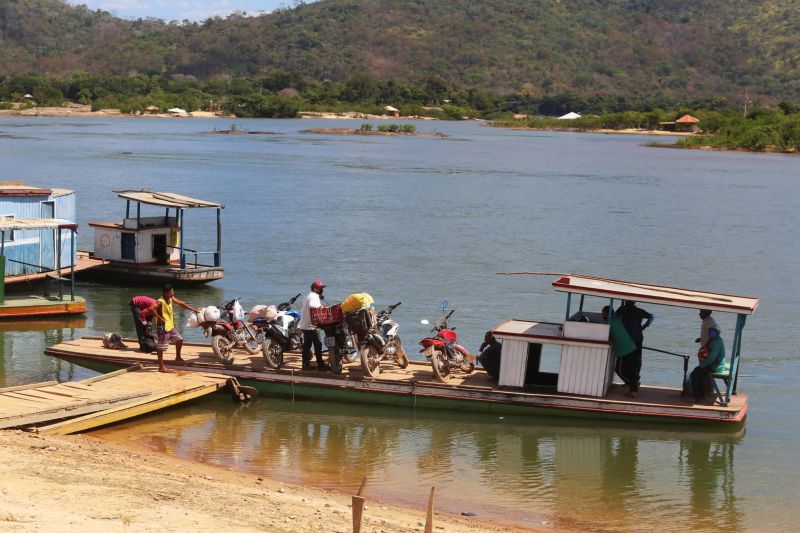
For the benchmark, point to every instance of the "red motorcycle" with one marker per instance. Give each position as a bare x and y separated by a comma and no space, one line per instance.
232,331
445,355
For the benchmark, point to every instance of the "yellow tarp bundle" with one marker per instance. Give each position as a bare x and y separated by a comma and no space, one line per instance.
357,301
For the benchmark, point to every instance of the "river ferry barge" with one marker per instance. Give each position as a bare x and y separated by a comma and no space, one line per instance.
583,387
150,249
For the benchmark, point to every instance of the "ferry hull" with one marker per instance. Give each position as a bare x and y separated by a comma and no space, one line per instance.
37,306
154,275
415,393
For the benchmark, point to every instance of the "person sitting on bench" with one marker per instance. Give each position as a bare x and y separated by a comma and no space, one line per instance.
712,362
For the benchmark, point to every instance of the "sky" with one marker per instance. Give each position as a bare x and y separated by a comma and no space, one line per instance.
194,10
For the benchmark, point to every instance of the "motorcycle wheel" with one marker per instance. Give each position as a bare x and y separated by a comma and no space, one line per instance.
251,339
297,341
468,367
371,361
223,349
400,356
335,361
441,368
272,353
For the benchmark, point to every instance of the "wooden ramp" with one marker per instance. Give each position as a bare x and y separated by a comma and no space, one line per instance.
78,406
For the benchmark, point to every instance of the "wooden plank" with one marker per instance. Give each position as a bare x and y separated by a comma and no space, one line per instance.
61,411
26,397
29,386
117,414
103,377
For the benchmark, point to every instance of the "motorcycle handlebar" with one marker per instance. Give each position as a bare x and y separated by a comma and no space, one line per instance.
286,305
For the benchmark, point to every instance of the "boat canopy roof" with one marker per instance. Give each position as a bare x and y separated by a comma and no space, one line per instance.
166,199
11,224
641,292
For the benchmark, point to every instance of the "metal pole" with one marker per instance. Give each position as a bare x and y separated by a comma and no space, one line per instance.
72,266
58,264
127,209
218,256
3,266
581,304
740,321
183,259
138,214
569,302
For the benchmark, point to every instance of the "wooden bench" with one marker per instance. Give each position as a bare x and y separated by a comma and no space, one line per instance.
725,376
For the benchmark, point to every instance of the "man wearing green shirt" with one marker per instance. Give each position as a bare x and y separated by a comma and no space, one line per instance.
713,362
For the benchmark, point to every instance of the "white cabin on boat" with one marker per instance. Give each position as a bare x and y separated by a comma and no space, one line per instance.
151,247
587,356
146,240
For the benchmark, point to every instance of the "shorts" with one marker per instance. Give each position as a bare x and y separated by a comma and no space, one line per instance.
165,338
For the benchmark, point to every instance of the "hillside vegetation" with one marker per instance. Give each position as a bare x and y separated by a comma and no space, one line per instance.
640,49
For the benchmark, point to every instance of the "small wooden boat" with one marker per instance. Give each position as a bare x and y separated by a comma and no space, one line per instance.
151,249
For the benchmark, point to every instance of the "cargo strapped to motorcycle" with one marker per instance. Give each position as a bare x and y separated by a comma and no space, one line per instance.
361,321
324,316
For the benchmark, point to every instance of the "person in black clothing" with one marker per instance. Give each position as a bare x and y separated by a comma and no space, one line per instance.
629,367
489,355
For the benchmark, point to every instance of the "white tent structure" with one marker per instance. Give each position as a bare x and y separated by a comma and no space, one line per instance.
569,116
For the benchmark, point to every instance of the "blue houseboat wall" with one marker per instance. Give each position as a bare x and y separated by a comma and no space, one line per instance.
65,208
23,249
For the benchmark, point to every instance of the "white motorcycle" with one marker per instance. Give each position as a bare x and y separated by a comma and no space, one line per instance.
280,335
371,356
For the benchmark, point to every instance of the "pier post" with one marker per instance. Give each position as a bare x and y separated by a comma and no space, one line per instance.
73,258
358,506
180,245
429,518
218,255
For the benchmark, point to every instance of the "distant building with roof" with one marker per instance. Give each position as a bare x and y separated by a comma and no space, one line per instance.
687,123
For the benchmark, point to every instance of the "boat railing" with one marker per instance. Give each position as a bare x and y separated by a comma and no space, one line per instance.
195,254
23,263
684,356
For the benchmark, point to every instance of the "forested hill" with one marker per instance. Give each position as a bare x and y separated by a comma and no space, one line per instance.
632,48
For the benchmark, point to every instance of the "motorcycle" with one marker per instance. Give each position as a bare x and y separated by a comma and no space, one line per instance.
445,355
231,331
280,335
341,342
374,352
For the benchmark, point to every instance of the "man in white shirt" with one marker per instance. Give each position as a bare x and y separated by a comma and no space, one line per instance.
310,333
708,322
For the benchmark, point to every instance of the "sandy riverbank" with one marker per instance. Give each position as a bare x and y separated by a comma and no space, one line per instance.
627,131
79,110
82,483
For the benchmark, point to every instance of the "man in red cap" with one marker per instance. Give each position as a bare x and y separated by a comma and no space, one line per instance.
310,333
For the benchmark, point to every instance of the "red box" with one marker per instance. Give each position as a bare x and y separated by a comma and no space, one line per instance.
323,316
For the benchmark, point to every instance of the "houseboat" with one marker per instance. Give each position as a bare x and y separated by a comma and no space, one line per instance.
45,304
582,387
37,247
151,249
